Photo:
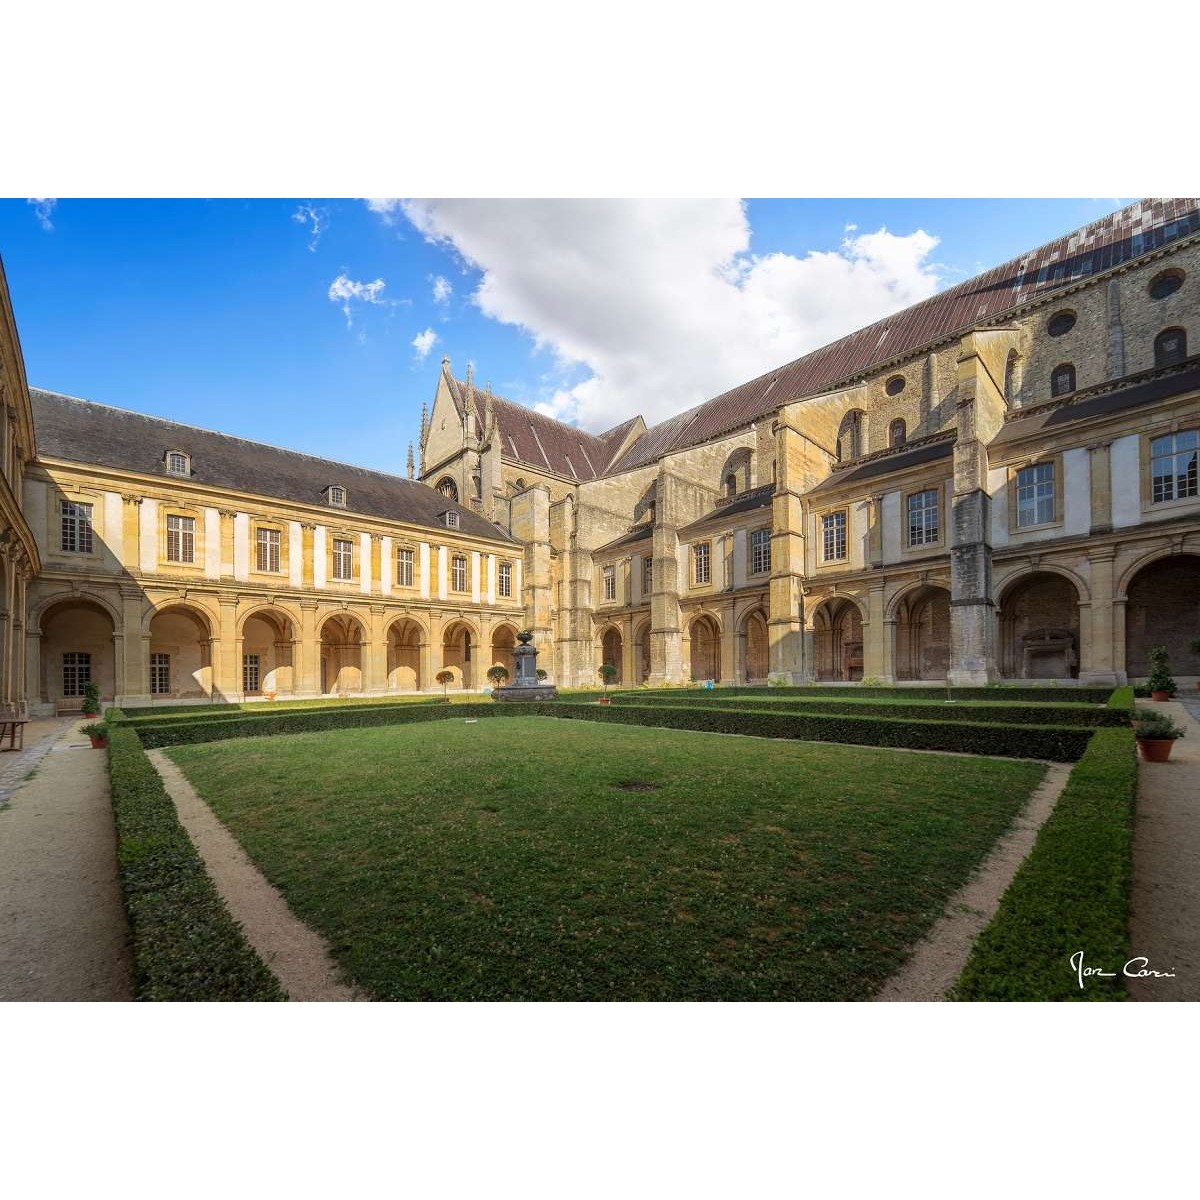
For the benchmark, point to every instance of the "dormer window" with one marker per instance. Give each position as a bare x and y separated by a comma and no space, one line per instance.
451,519
336,495
178,463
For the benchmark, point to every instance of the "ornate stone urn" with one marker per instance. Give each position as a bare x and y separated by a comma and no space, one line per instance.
525,685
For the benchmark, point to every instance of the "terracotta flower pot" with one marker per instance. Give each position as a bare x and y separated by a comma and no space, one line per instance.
1155,749
1160,695
99,743
603,700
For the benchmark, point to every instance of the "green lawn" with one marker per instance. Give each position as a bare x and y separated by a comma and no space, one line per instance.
504,860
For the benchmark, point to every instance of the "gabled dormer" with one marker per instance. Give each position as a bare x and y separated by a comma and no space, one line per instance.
336,495
178,462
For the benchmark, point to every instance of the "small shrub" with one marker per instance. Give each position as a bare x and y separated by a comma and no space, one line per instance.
1157,726
1160,674
91,700
497,674
96,729
445,678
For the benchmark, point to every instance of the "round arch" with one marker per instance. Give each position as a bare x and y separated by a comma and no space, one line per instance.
202,615
610,648
641,651
39,610
405,636
1006,582
460,648
504,641
341,636
753,645
1162,608
277,614
269,633
920,628
837,625
78,646
704,634
180,645
1039,625
1140,564
904,595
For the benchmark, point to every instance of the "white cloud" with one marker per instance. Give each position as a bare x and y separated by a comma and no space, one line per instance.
443,289
347,291
389,210
316,220
423,343
660,303
43,209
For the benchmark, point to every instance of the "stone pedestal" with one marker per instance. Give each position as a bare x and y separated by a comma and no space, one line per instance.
525,685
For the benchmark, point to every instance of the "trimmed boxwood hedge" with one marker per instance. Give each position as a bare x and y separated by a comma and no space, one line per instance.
1122,700
185,944
1070,894
1014,714
1059,743
997,695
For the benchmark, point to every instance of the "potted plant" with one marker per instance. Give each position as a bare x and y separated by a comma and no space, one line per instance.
91,700
607,674
497,674
98,732
1156,733
1162,686
445,678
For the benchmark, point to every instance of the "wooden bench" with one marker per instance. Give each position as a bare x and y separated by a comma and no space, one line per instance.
13,728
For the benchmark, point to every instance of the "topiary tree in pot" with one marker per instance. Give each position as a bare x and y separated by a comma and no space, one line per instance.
91,699
445,678
1162,686
607,674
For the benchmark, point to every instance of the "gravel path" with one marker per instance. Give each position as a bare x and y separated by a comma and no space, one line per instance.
298,956
63,934
939,959
1165,923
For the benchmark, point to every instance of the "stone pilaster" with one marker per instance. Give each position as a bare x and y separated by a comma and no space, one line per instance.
1100,472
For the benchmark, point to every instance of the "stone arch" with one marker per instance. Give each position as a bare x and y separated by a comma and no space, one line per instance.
460,649
1039,625
838,639
342,635
753,646
43,606
405,636
1012,379
736,472
180,647
704,637
1163,609
269,635
78,645
641,652
611,646
852,435
922,632
504,641
203,616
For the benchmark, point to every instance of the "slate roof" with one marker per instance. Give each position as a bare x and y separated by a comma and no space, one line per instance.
1102,402
85,432
1114,239
640,533
755,498
884,463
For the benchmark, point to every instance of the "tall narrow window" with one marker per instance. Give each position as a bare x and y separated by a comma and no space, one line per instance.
608,582
897,433
504,581
760,551
343,558
702,558
833,536
251,674
1062,380
647,575
404,568
1035,495
1170,347
268,549
730,486
77,672
924,525
160,674
458,573
1173,466
75,528
181,539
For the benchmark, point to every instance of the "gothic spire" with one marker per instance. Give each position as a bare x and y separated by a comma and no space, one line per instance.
410,461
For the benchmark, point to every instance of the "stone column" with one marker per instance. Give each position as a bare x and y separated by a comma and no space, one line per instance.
627,663
133,683
226,656
310,650
874,637
375,666
785,629
729,659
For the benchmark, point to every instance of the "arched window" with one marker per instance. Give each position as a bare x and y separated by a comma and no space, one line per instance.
1012,378
1062,380
1170,347
850,436
730,486
448,488
897,432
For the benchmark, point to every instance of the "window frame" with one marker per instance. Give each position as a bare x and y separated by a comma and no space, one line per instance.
259,531
504,580
83,528
163,664
1055,394
186,460
1161,362
753,551
337,496
458,563
1054,461
894,425
81,664
937,508
824,559
647,575
252,661
186,538
1148,458
608,583
337,555
410,562
697,547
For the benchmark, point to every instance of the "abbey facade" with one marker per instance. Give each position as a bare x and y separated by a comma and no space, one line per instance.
999,483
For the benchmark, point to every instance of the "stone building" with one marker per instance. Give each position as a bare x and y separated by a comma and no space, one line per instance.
997,483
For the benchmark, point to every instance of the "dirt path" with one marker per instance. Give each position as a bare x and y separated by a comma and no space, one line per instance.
939,959
63,934
297,955
1164,925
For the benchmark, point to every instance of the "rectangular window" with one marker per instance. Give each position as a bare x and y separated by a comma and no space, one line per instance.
924,523
1035,495
1173,465
268,549
404,568
251,674
760,551
647,575
343,558
77,672
702,558
608,580
505,580
181,539
76,528
458,574
160,674
833,536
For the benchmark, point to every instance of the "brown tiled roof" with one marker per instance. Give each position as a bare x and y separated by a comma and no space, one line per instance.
1115,239
84,432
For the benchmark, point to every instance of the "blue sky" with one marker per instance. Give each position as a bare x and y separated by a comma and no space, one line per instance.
220,313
